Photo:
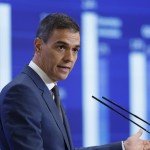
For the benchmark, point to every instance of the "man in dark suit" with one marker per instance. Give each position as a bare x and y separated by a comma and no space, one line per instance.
29,116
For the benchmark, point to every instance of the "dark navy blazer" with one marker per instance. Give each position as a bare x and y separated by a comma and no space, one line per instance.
29,119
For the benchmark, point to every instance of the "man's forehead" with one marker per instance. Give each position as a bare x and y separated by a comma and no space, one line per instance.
65,36
65,30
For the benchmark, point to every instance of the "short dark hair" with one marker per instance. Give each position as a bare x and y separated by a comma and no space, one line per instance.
55,21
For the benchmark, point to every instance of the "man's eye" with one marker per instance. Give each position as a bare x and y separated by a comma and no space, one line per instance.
61,48
75,50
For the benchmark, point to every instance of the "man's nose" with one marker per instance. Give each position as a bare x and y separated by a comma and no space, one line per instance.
69,55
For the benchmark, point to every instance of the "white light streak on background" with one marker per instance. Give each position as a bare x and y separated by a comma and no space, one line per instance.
110,27
113,22
145,31
105,50
90,79
137,79
5,44
110,33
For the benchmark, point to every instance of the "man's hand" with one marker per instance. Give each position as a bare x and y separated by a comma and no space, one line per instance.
135,143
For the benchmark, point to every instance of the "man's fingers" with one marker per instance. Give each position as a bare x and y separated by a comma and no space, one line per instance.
139,133
146,145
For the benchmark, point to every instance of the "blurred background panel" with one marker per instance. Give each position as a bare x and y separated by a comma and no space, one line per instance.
113,61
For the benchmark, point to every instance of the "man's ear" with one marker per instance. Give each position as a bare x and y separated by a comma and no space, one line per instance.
38,44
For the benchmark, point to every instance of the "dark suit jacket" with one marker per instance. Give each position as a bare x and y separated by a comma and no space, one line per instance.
29,119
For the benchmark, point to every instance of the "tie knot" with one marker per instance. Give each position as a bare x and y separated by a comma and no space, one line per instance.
55,90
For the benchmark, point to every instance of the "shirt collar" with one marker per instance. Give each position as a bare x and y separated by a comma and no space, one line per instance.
42,74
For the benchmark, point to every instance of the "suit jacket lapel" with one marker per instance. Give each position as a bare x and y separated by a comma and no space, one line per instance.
67,126
52,107
48,100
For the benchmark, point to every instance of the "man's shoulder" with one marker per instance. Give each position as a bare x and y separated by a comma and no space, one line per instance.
21,79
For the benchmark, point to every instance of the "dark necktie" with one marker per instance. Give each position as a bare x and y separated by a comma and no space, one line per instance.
55,91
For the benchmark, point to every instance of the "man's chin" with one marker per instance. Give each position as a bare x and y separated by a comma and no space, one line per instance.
63,77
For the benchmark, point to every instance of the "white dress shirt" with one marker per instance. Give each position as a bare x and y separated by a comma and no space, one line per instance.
42,74
123,148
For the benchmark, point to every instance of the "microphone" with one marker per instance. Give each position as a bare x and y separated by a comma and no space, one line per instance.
121,113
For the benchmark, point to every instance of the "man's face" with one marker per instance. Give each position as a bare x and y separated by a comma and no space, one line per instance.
58,56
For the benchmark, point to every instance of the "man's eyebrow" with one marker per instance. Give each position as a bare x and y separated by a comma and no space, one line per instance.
77,46
61,42
64,43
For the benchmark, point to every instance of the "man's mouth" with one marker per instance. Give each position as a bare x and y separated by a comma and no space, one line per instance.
64,68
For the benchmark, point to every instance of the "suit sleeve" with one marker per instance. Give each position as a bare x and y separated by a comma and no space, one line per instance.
21,117
112,146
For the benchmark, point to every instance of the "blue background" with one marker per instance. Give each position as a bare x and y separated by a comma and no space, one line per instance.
26,15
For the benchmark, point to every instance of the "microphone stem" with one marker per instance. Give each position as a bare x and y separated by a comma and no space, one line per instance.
120,113
125,110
